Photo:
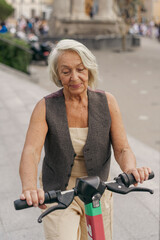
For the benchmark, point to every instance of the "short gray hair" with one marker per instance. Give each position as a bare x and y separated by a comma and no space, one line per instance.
88,60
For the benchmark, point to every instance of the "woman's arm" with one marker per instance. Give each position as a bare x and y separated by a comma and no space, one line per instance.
122,151
31,154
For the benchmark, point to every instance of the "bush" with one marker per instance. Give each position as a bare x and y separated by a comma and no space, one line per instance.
5,10
15,52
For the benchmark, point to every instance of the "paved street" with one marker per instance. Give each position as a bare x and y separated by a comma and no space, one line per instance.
134,78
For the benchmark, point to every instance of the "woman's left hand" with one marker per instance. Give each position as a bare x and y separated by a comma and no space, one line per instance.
141,174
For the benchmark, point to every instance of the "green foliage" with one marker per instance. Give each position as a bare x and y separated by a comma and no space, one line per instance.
14,52
128,9
15,40
5,10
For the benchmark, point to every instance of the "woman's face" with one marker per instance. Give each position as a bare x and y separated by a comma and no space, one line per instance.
72,73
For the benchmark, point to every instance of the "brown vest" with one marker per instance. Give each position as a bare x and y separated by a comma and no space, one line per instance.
59,152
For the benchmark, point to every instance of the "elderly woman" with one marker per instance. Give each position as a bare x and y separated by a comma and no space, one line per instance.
77,126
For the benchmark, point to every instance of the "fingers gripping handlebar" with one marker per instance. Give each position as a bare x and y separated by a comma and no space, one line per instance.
87,189
123,181
50,197
128,179
63,199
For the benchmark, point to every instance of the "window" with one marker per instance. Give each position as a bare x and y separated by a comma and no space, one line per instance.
33,13
44,15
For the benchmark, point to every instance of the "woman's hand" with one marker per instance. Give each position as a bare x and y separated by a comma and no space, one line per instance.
34,197
140,174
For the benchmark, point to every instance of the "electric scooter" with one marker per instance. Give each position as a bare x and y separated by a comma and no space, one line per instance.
89,190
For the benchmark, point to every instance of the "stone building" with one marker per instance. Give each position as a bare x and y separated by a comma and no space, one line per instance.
31,8
152,11
72,17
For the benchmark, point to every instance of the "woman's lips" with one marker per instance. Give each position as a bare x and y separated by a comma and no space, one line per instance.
75,86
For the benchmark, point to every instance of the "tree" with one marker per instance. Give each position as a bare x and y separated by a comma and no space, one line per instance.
5,10
128,11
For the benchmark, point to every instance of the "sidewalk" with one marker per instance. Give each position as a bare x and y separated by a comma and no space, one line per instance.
135,217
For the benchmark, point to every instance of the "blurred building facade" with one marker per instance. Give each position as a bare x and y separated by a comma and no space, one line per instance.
151,11
83,17
31,8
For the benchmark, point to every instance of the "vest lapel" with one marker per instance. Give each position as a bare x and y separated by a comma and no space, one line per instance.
64,124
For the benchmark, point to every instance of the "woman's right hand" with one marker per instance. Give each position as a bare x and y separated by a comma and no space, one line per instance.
34,197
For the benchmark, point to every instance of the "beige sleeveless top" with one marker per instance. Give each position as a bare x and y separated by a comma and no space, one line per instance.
78,137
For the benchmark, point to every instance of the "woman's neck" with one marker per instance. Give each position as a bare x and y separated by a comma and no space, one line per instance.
77,98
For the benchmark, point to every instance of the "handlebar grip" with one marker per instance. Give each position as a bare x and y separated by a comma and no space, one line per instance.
151,175
22,204
129,179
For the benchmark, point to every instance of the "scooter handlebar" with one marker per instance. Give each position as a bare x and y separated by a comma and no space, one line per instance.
53,196
49,197
129,179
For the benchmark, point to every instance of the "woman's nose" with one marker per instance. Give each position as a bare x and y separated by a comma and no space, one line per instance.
74,75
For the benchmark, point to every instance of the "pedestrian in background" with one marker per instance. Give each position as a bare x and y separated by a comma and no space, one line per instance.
3,28
77,126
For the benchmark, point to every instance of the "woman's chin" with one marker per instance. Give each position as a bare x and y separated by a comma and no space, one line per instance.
77,90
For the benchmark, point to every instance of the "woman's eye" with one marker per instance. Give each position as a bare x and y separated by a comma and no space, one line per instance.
80,69
65,73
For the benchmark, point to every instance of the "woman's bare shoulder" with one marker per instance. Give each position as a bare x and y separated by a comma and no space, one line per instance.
41,103
39,111
109,96
112,102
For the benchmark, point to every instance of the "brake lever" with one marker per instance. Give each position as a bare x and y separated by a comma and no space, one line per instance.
140,189
51,209
63,200
117,186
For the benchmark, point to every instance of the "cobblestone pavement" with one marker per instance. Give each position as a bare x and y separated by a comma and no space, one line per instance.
136,216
